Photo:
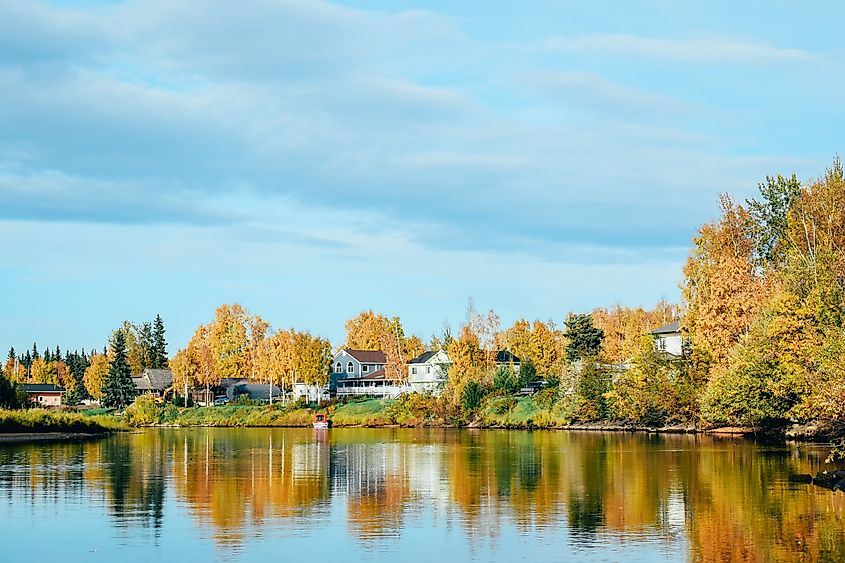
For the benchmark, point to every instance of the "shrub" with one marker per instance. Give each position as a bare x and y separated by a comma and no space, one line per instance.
472,396
142,412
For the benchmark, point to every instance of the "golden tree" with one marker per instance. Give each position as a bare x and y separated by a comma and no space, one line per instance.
95,375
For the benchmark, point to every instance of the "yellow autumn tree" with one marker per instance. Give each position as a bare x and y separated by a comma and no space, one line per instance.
624,327
722,290
227,337
372,331
95,375
185,367
468,363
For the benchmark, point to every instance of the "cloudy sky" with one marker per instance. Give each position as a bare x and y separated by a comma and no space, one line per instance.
311,159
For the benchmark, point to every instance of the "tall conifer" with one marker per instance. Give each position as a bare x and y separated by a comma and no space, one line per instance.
118,389
159,355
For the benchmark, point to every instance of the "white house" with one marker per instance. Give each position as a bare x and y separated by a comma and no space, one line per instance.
427,372
361,372
310,393
668,339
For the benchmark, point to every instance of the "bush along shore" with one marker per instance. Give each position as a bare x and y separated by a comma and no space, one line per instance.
39,421
540,411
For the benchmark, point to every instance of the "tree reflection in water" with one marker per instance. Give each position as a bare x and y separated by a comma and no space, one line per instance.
718,499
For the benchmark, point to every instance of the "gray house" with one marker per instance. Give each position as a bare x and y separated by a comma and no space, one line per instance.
361,372
153,382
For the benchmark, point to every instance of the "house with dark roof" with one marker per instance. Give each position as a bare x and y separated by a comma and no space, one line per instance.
44,394
427,372
506,359
668,339
362,373
153,382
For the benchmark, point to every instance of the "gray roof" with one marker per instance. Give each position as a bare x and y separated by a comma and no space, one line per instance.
42,388
505,357
153,379
423,358
668,329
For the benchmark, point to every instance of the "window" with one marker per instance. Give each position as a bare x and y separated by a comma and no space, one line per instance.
350,368
365,368
661,344
338,368
414,370
428,369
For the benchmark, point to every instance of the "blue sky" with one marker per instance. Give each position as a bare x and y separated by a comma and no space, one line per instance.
313,159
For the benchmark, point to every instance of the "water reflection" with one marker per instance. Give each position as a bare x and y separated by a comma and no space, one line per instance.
479,494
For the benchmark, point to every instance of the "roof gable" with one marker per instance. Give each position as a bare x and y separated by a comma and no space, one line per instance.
367,356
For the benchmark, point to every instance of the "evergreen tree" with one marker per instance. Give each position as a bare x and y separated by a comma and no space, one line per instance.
47,357
57,355
12,354
35,354
145,341
118,388
584,338
159,355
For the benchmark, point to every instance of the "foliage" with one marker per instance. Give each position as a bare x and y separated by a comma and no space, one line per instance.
583,338
504,380
593,384
654,392
143,412
38,420
472,396
96,374
12,395
624,327
118,388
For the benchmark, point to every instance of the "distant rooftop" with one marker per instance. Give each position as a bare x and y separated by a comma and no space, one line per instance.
668,329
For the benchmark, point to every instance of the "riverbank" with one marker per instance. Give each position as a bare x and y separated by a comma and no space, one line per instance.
503,413
41,424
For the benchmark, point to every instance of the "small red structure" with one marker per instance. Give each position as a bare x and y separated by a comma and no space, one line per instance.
321,420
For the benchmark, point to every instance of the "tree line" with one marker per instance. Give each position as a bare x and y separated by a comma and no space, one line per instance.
105,376
762,316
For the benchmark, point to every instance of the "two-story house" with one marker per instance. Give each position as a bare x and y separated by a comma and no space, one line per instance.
668,339
427,372
361,372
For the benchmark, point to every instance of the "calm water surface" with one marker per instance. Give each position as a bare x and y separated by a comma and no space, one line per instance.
414,495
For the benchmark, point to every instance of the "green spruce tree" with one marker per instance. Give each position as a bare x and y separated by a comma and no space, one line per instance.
159,355
584,339
118,388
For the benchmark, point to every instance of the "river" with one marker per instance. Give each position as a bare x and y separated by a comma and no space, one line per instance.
428,495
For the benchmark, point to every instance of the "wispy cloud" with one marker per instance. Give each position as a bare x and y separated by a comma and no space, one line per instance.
584,90
709,50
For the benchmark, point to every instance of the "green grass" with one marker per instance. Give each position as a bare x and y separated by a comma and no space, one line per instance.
234,416
38,420
370,412
524,412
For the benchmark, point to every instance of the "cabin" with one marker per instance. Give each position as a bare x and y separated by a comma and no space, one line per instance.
668,339
427,372
155,382
44,394
362,373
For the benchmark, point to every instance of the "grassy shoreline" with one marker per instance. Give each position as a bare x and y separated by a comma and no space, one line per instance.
40,421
